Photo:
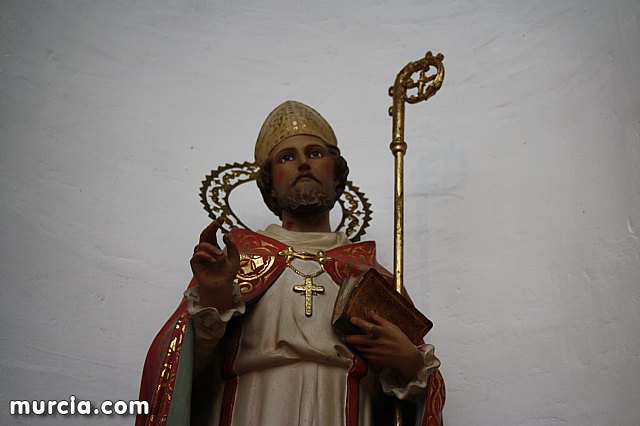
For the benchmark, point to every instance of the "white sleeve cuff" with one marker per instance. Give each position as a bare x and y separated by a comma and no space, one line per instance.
209,318
393,384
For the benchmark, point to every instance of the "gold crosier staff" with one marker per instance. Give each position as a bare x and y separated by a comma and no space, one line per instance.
426,86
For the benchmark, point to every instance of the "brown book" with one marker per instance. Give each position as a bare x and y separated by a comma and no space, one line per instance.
370,291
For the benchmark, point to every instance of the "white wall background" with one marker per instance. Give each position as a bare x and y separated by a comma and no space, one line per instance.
523,188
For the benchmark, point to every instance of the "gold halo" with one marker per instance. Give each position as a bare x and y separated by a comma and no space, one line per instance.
218,185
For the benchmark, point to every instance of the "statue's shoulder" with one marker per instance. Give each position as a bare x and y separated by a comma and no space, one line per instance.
250,242
353,259
260,264
363,251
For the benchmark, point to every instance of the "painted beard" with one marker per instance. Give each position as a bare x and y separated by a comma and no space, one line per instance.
307,200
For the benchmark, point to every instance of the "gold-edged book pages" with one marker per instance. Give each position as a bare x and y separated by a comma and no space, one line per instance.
370,292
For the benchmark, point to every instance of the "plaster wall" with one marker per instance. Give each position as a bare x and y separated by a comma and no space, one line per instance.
522,192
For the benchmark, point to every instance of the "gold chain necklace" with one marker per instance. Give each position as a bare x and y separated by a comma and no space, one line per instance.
308,289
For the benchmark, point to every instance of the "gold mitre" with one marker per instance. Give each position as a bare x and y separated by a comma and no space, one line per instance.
289,119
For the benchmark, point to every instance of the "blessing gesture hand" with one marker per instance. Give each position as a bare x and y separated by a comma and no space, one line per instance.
215,268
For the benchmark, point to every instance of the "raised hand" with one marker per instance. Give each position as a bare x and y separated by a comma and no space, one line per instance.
385,345
215,268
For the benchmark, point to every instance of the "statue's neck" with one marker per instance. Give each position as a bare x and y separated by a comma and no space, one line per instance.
316,222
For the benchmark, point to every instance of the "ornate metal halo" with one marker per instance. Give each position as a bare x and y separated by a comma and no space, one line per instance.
217,186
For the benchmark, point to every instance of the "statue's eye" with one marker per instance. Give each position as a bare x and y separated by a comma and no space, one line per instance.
316,153
286,157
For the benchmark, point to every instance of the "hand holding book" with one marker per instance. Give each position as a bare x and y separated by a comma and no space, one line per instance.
385,345
370,292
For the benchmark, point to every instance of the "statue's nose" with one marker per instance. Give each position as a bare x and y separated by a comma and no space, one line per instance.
303,163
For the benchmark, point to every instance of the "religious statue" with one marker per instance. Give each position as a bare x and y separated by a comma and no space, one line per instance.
252,341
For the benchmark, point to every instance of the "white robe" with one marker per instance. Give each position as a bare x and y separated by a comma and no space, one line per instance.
292,369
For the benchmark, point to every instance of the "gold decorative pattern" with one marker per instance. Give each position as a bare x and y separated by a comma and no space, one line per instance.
217,187
289,119
164,390
253,268
436,396
356,212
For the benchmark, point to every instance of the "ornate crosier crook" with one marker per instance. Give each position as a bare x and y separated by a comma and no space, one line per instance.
426,86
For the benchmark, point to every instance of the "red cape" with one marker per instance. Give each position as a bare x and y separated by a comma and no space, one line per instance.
260,265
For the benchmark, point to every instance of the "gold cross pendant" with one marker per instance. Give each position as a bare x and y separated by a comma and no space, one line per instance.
309,290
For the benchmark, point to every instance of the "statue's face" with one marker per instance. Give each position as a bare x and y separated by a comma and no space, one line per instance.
303,175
